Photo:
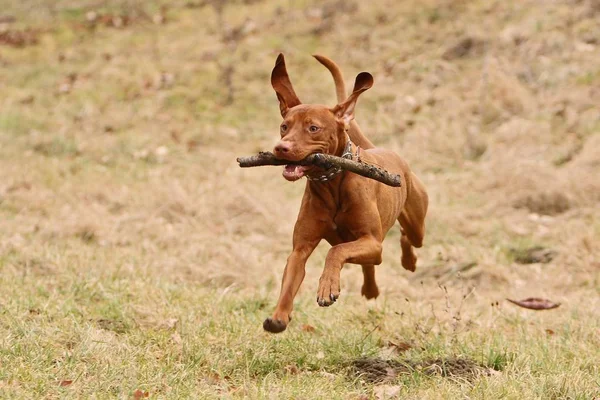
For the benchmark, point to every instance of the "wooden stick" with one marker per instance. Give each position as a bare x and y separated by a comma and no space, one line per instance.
325,161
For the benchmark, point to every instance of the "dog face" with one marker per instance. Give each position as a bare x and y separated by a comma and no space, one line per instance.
311,128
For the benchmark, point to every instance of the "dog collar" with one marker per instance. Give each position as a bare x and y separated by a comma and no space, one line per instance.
335,170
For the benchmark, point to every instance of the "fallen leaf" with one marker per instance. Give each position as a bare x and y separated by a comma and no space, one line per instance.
549,331
399,346
213,378
192,144
65,383
534,303
308,328
386,391
138,394
291,369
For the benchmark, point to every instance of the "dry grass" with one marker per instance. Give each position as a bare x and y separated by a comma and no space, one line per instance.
135,255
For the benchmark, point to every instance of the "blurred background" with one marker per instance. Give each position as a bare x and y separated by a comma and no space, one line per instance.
120,122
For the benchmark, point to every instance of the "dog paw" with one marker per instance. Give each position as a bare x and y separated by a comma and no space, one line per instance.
274,325
328,293
370,292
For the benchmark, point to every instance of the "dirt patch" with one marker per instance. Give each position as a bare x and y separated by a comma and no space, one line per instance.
376,370
113,325
533,255
464,47
545,203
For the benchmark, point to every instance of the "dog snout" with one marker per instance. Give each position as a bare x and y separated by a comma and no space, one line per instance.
282,148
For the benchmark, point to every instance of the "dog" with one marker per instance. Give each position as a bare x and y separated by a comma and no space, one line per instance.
351,212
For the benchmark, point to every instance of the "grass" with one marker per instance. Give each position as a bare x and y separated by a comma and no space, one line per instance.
136,257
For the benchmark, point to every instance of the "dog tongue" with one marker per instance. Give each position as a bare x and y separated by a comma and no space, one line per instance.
293,172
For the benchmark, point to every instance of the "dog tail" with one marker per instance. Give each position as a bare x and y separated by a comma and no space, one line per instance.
338,78
340,90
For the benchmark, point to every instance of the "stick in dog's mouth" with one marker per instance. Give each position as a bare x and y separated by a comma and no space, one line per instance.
295,170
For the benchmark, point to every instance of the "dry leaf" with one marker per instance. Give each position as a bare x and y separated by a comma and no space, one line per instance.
534,303
308,328
192,144
291,369
550,332
138,394
65,383
386,391
400,346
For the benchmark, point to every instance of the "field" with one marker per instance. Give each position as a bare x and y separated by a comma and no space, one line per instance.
137,260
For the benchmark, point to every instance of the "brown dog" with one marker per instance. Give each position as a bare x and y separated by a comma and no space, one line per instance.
351,212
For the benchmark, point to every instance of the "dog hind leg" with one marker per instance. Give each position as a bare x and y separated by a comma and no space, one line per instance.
412,221
369,288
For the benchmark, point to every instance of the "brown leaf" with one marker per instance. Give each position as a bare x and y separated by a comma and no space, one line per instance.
192,144
308,328
65,383
291,369
139,394
534,303
550,332
400,346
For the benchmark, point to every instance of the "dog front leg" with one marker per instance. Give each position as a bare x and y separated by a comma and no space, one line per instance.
293,275
366,251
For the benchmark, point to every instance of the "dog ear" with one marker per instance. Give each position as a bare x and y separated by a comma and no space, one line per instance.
345,110
283,86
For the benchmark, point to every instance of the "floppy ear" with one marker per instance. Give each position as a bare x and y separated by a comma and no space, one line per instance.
283,87
345,110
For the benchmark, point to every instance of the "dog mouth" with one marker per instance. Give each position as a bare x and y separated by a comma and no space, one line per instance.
293,172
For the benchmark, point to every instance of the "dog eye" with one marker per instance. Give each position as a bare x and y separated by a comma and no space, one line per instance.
283,127
313,128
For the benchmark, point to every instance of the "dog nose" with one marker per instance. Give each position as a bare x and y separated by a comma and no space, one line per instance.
282,148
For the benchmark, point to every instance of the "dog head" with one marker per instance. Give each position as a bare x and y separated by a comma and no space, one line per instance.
311,128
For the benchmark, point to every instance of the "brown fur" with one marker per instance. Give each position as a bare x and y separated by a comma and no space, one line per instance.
351,212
